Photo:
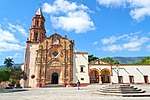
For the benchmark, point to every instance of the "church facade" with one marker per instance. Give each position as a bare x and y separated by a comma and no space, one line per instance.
54,60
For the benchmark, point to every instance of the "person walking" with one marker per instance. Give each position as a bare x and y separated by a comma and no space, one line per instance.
78,84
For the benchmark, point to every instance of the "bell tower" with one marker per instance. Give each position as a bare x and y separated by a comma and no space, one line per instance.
37,30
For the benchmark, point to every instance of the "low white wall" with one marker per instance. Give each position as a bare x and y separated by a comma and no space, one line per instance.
126,70
137,71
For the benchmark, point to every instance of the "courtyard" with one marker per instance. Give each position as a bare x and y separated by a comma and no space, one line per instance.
68,93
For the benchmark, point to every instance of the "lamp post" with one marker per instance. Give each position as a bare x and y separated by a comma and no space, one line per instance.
117,67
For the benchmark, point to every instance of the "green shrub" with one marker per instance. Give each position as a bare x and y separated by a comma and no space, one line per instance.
12,83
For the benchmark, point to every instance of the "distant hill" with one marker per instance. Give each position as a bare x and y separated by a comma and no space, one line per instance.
122,60
3,66
127,60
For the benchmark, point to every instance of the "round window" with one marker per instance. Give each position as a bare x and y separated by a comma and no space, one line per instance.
55,40
32,76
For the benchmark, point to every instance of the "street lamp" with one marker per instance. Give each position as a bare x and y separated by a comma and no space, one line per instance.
117,67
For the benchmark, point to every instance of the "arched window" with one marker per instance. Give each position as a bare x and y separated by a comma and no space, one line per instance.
36,35
42,24
36,23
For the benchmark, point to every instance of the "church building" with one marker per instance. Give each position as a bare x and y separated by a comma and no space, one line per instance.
54,60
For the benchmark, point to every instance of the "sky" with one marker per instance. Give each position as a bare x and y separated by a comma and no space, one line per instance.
104,28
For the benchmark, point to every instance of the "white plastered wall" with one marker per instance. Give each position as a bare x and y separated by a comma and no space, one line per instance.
31,63
138,71
78,61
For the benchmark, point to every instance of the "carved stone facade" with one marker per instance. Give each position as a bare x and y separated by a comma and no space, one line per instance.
55,55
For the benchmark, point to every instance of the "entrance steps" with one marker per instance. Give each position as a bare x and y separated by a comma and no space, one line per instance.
124,90
121,88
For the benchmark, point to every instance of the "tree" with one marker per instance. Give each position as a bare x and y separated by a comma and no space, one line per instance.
4,75
110,60
145,60
8,63
92,58
17,74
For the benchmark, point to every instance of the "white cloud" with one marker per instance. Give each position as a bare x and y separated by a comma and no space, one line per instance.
113,39
64,6
6,36
17,28
135,43
69,16
113,48
139,8
128,42
77,21
48,8
95,43
140,13
132,46
8,42
114,3
5,47
16,55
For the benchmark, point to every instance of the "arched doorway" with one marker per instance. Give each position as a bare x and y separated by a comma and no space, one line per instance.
94,76
54,78
105,76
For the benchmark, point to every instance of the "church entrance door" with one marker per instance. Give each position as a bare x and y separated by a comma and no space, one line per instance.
54,78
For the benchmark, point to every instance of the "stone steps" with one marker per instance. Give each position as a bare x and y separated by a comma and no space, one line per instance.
125,95
121,88
128,92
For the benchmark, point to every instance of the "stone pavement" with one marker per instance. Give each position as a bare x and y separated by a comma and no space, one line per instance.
67,93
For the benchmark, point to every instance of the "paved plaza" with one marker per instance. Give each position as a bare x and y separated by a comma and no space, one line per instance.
68,93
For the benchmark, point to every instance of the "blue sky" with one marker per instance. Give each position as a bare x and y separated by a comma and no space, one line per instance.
101,27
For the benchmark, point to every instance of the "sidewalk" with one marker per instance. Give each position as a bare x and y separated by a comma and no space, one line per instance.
67,93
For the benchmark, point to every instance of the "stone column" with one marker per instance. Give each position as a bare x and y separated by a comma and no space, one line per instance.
100,81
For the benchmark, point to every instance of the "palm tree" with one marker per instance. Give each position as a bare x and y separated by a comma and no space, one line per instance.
8,63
